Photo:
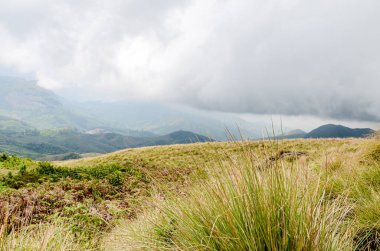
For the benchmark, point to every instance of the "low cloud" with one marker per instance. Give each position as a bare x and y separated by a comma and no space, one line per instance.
287,57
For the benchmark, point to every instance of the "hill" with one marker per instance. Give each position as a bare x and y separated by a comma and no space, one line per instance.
329,131
66,143
25,101
110,202
339,131
9,125
295,134
179,137
162,119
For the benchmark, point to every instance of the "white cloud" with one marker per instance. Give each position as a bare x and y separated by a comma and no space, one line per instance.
287,57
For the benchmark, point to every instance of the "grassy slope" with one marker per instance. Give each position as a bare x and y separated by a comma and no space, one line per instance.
176,156
177,168
338,156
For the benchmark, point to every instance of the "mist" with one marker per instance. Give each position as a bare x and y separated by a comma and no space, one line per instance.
291,58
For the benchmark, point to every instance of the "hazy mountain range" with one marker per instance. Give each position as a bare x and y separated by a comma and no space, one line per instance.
330,131
36,122
42,109
339,131
61,142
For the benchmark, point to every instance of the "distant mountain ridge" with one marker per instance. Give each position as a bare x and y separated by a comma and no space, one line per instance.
9,125
40,108
178,137
339,131
26,101
36,122
297,133
42,144
330,131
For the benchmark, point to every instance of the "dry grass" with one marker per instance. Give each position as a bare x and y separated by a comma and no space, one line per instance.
327,161
43,237
336,168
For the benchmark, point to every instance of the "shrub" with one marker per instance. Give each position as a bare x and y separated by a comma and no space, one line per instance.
115,174
3,157
116,179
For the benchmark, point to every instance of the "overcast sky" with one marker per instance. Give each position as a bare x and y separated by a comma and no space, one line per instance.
291,57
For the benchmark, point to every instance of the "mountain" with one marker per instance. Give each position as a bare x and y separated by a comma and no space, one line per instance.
295,134
10,125
36,122
24,100
329,131
165,118
339,131
179,137
66,143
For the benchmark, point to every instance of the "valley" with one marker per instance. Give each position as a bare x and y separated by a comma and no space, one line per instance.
39,124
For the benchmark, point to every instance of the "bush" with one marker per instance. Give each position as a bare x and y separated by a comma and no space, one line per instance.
116,179
115,174
3,157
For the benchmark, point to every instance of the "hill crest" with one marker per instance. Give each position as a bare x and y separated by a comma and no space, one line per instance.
339,131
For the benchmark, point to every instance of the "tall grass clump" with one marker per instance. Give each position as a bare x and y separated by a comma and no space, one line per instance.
253,203
367,235
43,237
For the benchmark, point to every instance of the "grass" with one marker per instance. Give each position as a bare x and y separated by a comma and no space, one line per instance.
210,196
251,204
43,237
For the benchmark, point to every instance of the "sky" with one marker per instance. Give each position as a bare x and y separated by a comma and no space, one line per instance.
308,61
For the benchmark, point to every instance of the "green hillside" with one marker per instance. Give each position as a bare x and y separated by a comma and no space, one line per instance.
322,193
70,143
10,126
24,100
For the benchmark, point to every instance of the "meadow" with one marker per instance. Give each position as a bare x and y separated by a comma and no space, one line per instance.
314,194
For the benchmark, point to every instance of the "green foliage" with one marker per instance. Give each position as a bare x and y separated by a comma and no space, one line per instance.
12,162
116,179
3,157
87,199
83,221
113,173
45,148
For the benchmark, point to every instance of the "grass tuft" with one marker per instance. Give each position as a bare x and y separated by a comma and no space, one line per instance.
44,237
253,204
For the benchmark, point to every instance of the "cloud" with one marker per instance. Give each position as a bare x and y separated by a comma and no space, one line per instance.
288,57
